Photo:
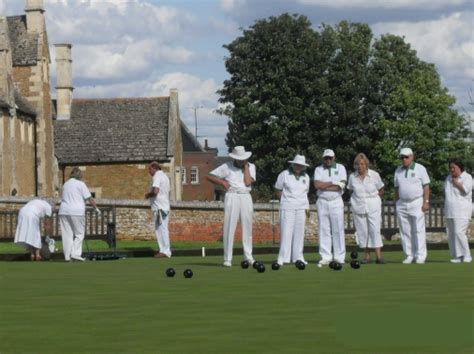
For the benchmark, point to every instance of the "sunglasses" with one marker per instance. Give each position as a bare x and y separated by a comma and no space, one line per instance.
328,157
403,157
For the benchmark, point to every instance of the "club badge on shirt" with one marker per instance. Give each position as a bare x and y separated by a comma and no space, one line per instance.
336,172
413,174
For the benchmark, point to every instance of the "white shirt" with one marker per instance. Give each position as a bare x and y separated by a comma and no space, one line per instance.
235,176
335,173
294,190
73,200
161,201
37,207
365,193
456,204
410,181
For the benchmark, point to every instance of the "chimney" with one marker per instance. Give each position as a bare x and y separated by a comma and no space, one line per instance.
34,16
206,146
63,81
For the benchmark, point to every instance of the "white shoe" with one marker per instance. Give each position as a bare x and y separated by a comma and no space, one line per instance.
78,258
251,261
467,259
227,264
456,260
420,261
408,260
323,262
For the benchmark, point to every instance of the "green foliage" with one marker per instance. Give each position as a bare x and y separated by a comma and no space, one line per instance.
293,89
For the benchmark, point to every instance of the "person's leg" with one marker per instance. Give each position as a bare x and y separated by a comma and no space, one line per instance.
231,216
405,231
451,232
246,224
360,224
287,220
324,227
162,235
67,235
337,229
420,237
298,235
462,243
374,221
79,228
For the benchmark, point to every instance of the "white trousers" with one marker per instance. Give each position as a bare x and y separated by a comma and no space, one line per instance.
237,206
457,237
411,220
331,229
292,225
162,233
73,230
368,229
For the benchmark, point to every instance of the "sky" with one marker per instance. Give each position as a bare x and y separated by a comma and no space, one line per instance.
143,48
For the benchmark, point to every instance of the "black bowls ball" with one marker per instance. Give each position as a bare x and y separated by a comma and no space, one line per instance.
188,273
255,264
355,264
354,255
260,268
300,265
275,266
244,264
337,266
170,272
331,264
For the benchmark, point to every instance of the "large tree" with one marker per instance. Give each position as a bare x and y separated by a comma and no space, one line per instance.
293,90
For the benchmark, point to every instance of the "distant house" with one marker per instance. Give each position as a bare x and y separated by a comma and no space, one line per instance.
197,162
27,163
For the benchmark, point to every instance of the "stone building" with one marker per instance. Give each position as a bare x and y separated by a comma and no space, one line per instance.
198,161
27,163
113,140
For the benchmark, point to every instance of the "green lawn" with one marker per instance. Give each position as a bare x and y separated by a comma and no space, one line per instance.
130,306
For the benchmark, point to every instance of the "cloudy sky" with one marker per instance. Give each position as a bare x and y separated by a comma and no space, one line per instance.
129,48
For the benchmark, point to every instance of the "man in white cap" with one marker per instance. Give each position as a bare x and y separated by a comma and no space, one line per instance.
292,187
330,180
236,177
412,191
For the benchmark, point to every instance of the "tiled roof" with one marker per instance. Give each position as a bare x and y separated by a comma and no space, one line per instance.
113,130
24,45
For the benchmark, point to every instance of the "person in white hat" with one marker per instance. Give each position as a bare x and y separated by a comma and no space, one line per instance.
458,210
412,191
366,188
292,188
28,228
236,177
330,180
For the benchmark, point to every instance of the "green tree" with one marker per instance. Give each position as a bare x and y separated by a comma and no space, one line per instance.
293,90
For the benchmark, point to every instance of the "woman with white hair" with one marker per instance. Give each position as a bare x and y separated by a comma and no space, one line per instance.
28,230
292,187
367,188
72,215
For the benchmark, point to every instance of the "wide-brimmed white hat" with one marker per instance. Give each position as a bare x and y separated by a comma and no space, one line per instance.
299,160
328,152
406,152
239,153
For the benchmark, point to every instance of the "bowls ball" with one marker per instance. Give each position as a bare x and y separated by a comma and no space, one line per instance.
188,273
170,272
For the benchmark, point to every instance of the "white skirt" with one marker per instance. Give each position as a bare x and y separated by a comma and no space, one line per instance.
28,230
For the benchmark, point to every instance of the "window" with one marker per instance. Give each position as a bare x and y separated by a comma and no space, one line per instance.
183,175
194,175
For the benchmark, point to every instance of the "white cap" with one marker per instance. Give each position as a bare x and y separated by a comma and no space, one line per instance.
406,152
328,152
239,153
299,160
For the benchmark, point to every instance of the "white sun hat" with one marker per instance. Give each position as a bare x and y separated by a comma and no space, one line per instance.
329,153
406,152
239,153
299,160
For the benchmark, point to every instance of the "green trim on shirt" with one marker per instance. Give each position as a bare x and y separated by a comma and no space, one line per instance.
411,167
292,172
333,166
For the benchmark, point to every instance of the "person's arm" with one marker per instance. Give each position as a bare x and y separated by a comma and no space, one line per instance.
248,180
94,205
218,181
381,192
426,197
152,192
457,182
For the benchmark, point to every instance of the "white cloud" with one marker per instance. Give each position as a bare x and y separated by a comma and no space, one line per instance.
391,4
230,5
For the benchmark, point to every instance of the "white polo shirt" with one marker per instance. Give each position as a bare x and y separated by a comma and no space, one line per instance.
161,201
457,205
235,176
410,181
364,191
294,190
37,207
335,173
73,199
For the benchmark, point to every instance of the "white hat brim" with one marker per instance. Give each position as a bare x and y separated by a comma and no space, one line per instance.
245,156
299,163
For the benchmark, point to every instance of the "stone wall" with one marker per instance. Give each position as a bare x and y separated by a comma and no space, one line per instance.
199,221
